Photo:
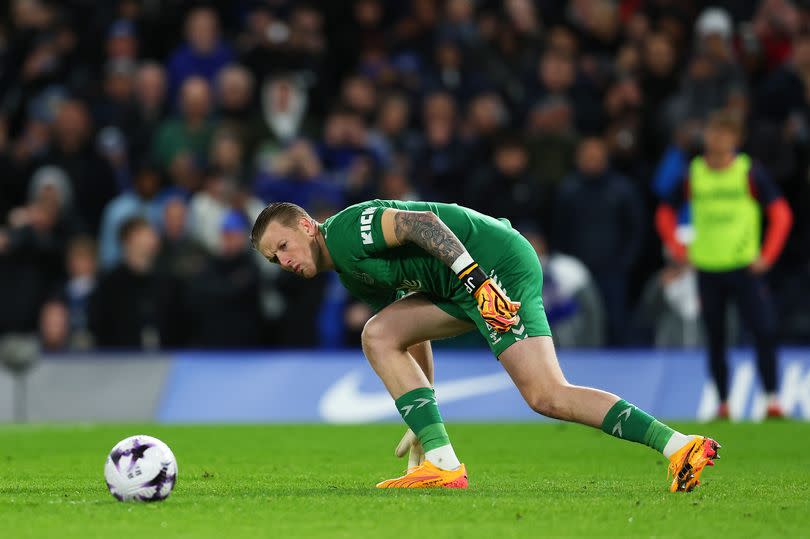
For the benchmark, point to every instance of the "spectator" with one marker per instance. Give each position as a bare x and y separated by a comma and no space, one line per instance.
209,206
557,77
82,272
439,166
150,101
91,179
133,306
659,82
395,185
142,201
111,145
228,156
452,72
116,106
552,140
725,190
487,116
202,55
570,298
236,102
54,327
191,132
224,297
392,137
298,175
286,117
669,309
713,75
122,41
623,105
347,155
359,94
506,188
32,249
598,219
180,257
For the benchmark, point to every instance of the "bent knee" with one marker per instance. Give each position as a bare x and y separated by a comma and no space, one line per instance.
377,334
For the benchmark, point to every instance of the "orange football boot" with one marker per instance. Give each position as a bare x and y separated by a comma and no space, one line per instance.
686,464
427,475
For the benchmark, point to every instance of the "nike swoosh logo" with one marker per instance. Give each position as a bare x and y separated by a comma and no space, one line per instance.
344,402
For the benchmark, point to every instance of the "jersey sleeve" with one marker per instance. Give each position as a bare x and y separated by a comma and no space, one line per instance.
679,194
763,186
357,231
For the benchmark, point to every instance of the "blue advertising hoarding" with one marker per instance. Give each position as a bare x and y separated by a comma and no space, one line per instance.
340,387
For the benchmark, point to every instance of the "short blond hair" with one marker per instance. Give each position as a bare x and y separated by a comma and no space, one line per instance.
286,213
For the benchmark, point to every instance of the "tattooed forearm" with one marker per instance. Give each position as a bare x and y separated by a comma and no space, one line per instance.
427,231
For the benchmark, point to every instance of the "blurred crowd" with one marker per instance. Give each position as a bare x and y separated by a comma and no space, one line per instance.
139,139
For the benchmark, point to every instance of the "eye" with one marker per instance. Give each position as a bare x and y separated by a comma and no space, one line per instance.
283,246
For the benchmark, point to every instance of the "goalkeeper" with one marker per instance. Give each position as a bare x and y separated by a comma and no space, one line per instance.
432,271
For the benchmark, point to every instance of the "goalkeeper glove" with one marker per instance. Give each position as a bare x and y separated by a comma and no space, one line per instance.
493,303
410,444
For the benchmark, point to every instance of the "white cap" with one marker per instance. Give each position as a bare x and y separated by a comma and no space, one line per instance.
714,20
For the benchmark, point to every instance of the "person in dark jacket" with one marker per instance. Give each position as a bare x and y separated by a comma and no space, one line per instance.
224,298
134,306
598,218
507,188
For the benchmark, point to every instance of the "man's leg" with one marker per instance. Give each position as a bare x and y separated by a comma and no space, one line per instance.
759,315
422,353
532,364
714,307
386,340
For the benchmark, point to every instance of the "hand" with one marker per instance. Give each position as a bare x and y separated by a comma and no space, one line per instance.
496,307
410,445
759,266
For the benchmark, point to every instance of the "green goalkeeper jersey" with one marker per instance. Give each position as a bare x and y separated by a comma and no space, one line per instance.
377,274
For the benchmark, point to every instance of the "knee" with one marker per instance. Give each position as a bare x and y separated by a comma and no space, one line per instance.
377,336
550,402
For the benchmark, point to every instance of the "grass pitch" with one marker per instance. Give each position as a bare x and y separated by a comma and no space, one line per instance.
526,480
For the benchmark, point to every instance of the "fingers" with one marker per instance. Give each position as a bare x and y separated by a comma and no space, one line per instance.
405,443
416,456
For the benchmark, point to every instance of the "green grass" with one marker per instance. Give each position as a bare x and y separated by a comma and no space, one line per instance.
527,480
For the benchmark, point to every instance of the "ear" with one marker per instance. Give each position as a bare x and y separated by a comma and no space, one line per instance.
308,225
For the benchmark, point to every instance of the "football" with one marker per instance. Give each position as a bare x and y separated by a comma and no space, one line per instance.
140,468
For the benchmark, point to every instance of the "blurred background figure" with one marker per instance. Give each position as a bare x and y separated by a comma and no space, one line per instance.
82,276
202,55
726,190
54,327
598,218
223,298
570,297
153,315
141,200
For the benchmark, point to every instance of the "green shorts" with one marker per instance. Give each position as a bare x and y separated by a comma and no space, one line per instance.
519,274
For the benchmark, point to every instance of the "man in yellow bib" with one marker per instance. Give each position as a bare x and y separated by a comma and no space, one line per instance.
726,191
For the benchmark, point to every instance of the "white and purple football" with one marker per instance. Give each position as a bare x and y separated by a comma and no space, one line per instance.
140,468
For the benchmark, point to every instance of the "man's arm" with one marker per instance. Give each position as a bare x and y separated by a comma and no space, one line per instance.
426,230
423,228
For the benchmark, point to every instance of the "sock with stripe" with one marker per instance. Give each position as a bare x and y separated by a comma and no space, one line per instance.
628,422
420,411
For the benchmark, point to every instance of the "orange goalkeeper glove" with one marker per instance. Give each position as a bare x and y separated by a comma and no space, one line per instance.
493,303
495,306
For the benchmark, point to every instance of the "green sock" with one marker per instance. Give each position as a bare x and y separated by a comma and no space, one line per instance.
626,421
420,411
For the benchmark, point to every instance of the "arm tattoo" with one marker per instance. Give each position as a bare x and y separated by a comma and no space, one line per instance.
427,231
